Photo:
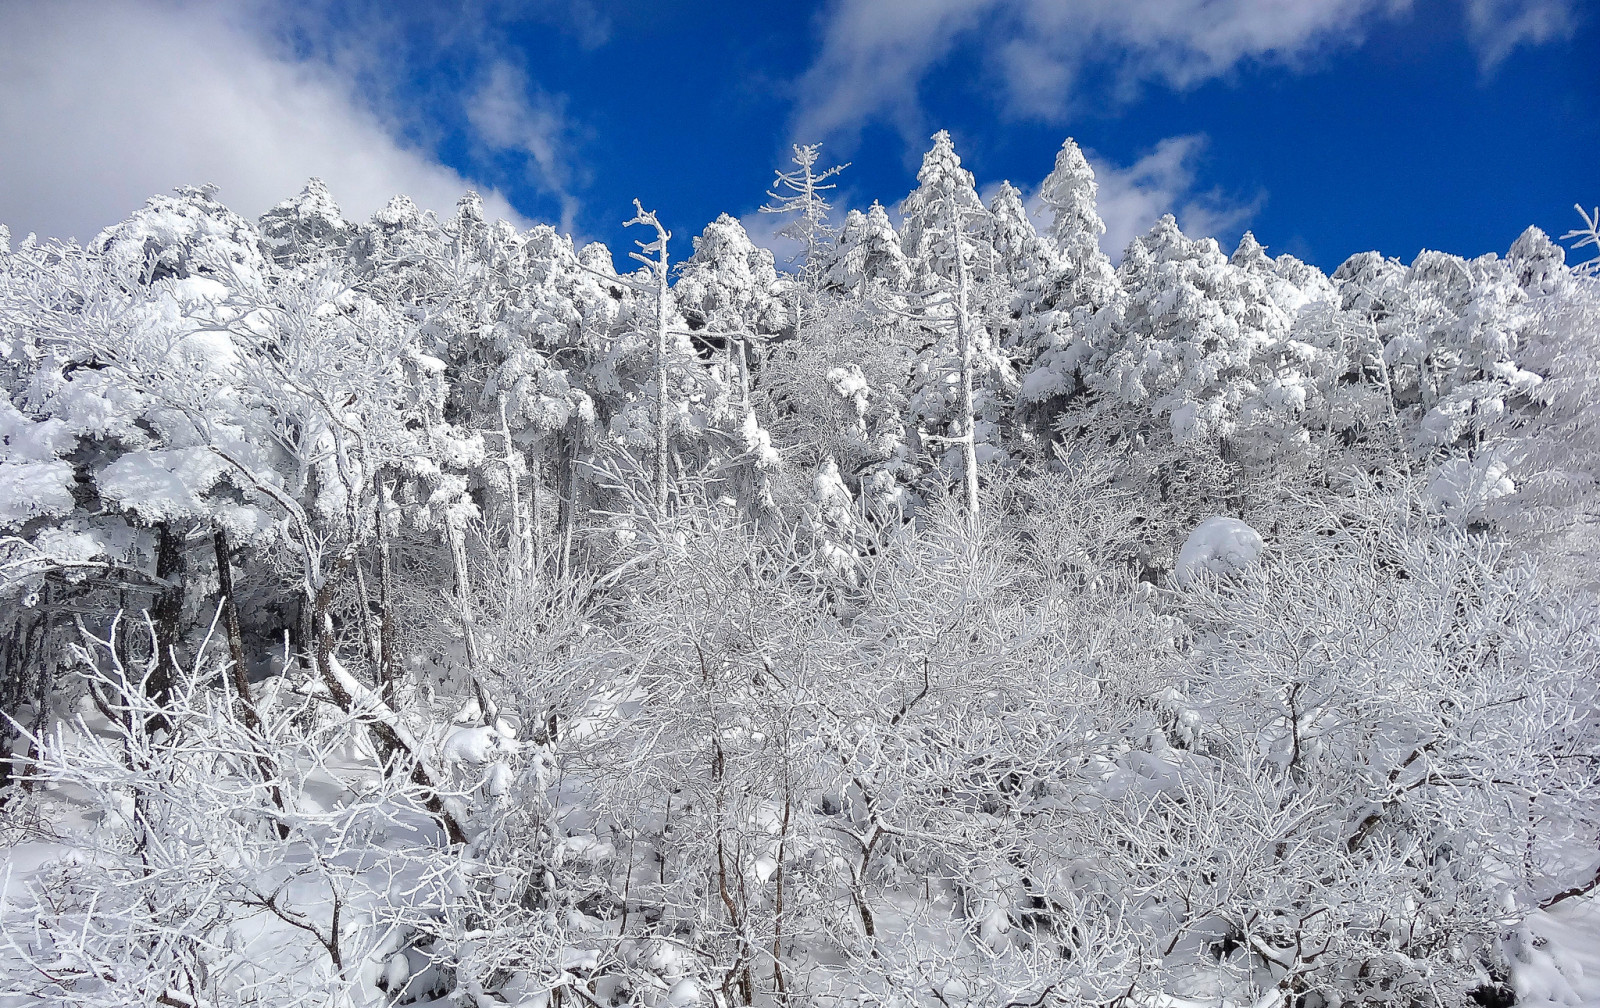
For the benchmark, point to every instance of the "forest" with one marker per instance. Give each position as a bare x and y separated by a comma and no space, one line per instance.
428,612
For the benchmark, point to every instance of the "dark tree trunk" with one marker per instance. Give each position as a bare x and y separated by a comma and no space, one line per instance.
238,674
167,614
391,747
230,620
388,672
566,448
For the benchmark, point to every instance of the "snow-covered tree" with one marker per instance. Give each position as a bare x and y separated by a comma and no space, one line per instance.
801,191
301,229
941,215
868,254
1021,256
1266,683
961,382
1066,315
729,293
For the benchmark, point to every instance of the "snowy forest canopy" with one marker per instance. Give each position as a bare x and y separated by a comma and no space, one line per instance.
425,612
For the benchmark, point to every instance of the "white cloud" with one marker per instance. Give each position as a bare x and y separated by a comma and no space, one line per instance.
763,230
1132,198
875,54
103,105
510,114
1499,26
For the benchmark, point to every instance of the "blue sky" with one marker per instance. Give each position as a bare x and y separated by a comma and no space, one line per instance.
1327,126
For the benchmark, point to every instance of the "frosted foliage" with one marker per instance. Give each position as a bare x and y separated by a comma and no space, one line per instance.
943,188
423,612
730,285
1462,489
1021,255
1538,265
867,253
31,490
1195,325
1070,311
187,234
301,228
1250,255
1070,191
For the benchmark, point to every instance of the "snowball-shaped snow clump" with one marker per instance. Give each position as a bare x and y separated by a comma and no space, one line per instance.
1461,489
1219,545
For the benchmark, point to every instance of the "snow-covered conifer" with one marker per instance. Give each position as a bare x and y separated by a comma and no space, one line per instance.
1022,256
868,254
1066,316
304,227
942,214
800,191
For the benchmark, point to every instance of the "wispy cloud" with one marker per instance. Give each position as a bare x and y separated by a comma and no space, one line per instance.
1498,27
1164,181
873,58
875,55
456,75
513,116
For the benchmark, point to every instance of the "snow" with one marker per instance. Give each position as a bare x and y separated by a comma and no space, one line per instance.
1219,546
26,440
683,994
980,725
475,746
1462,489
1556,955
163,484
30,490
850,384
758,444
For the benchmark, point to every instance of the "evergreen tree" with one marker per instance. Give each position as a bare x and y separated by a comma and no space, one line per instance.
304,228
729,294
1066,317
868,255
942,213
1022,257
961,382
800,192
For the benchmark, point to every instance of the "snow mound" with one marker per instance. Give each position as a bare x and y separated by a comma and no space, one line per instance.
31,490
1555,956
1218,546
1462,489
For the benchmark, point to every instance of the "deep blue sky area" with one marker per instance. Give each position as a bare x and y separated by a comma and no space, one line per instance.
1326,126
1397,144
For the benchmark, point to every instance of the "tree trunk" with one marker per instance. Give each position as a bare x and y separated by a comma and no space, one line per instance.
741,353
388,672
230,622
534,531
239,676
521,535
567,502
371,625
13,697
661,381
969,446
388,741
458,554
167,614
